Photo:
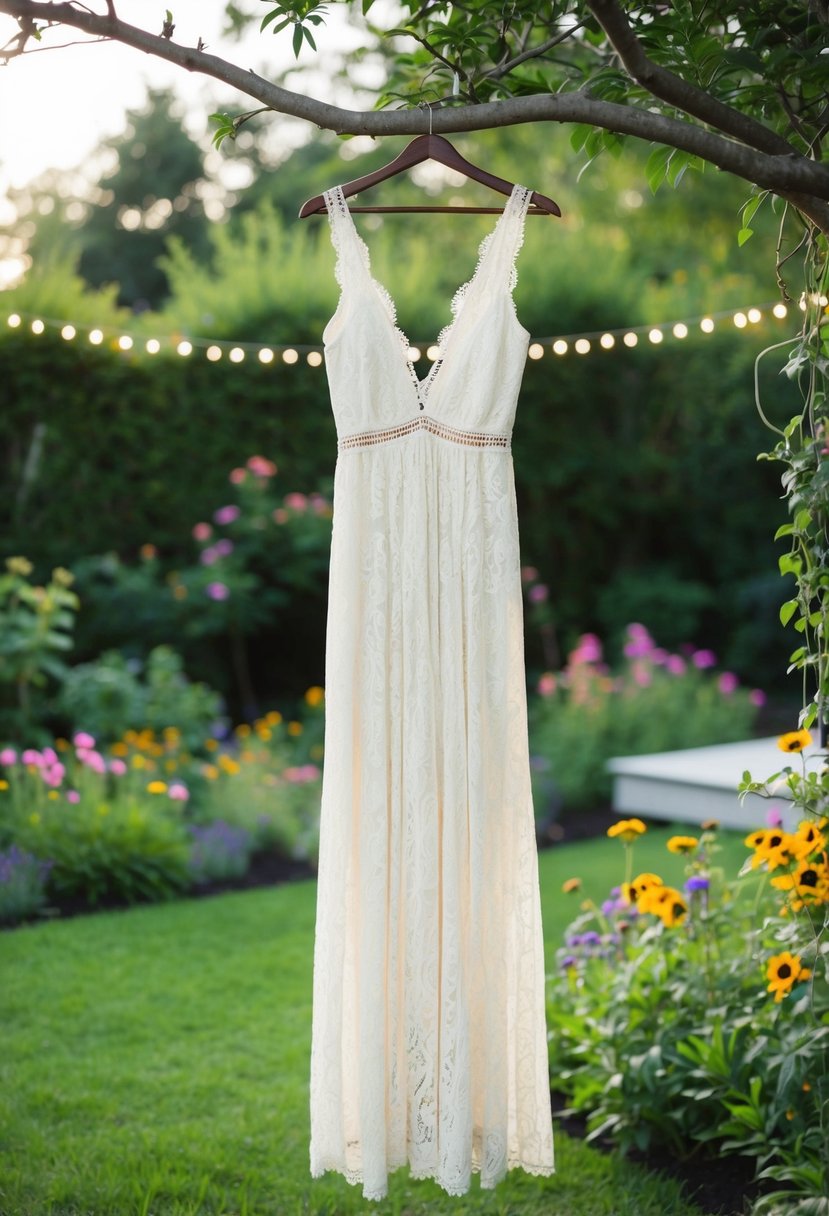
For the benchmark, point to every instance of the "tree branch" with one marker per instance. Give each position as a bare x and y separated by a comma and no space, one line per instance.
793,176
532,53
669,87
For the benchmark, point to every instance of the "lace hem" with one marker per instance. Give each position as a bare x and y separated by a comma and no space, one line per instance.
488,1183
424,422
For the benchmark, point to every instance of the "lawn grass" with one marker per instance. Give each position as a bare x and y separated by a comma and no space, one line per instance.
155,1063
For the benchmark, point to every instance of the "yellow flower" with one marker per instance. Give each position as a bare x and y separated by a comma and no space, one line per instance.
273,717
19,565
294,728
229,765
682,844
171,765
157,787
631,891
807,839
52,795
315,695
148,551
34,818
243,730
794,741
784,971
138,761
210,772
627,829
4,785
171,733
572,884
809,882
180,591
264,732
62,576
772,846
130,736
119,749
665,902
62,745
247,755
211,745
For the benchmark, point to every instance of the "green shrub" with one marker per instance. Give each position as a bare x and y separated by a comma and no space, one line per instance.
22,885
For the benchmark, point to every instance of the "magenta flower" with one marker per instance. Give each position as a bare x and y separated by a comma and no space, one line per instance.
237,476
675,664
72,796
226,515
118,767
178,792
91,759
300,774
319,504
756,697
641,673
528,574
727,683
704,658
217,591
50,755
54,775
202,531
296,502
280,515
546,684
773,817
589,649
8,756
209,555
30,756
538,593
83,739
223,547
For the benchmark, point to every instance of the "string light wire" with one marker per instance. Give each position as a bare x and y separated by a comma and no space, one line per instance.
275,354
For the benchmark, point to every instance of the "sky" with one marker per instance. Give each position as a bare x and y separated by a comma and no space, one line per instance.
56,105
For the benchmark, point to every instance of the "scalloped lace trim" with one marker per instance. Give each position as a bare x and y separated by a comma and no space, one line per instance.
340,219
355,1177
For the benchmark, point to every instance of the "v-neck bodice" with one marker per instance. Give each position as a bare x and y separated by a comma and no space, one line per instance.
472,387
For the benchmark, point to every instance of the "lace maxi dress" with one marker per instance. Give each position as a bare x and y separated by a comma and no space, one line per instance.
429,1036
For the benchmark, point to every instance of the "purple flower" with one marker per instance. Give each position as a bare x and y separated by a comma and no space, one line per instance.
226,515
30,756
698,882
773,817
209,555
756,697
727,683
8,756
538,593
223,547
675,664
217,591
569,960
83,739
704,658
72,796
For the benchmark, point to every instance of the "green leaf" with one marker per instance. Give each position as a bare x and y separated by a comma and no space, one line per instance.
790,564
787,611
657,167
744,235
297,39
802,519
784,530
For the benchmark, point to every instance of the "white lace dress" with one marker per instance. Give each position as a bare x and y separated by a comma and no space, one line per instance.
429,1036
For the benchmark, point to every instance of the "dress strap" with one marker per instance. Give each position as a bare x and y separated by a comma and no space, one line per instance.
500,249
349,247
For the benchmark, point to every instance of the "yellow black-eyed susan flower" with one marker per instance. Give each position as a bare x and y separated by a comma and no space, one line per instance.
682,844
571,884
783,971
315,695
756,838
809,883
807,839
157,787
665,902
794,741
631,891
627,829
773,851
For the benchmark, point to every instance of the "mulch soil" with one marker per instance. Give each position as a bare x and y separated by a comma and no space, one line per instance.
721,1186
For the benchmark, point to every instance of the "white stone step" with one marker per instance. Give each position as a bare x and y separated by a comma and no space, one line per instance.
699,783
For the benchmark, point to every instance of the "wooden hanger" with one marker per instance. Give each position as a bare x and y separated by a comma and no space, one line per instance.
432,147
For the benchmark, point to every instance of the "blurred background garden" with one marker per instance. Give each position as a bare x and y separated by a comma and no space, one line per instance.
167,454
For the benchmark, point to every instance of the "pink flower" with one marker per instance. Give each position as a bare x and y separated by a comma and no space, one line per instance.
319,504
704,658
757,697
8,756
546,684
209,555
727,683
217,591
118,767
300,774
675,664
658,655
53,775
91,759
589,649
178,792
296,502
237,476
83,739
773,817
280,515
538,593
30,756
528,574
50,755
223,547
226,515
202,531
72,796
261,467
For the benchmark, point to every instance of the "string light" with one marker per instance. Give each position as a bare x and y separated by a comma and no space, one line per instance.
313,356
